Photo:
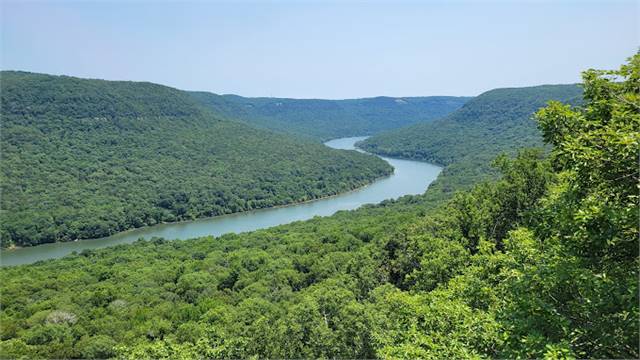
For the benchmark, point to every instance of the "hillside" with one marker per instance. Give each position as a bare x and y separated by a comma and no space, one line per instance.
88,158
541,263
495,122
328,119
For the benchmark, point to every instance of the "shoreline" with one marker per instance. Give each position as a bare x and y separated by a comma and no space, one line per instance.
296,203
241,221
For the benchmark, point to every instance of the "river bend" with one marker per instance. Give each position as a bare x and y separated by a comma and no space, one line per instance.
409,178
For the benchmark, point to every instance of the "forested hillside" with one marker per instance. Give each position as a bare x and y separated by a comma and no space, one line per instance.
88,158
542,262
328,119
495,122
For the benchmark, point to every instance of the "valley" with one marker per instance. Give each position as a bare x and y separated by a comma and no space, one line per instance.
524,244
409,178
323,120
85,159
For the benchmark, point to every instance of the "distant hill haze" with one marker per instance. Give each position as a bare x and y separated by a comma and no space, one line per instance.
87,158
328,119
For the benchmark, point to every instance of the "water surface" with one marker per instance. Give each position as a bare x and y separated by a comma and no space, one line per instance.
409,178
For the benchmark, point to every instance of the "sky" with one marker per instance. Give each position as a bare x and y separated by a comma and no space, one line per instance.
321,49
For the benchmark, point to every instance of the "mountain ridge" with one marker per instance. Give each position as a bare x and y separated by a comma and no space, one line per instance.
88,158
322,119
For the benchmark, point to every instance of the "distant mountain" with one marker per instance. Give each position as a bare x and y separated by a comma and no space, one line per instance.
497,121
88,158
327,119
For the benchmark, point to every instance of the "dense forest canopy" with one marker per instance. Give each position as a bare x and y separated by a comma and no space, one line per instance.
542,262
88,158
497,121
328,119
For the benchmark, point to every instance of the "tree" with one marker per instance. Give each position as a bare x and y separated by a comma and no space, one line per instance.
580,295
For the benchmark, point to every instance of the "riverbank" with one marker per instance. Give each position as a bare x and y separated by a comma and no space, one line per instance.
14,247
408,178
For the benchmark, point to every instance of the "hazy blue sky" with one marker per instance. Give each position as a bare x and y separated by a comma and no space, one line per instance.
322,49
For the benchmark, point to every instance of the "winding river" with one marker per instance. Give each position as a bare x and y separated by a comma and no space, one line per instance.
409,178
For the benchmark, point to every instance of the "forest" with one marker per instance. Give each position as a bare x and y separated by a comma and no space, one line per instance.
328,119
495,122
541,261
88,158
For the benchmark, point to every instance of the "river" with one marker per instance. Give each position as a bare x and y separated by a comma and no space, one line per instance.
409,178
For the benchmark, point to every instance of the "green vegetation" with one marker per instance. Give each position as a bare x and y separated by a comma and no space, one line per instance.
329,119
497,121
542,262
88,158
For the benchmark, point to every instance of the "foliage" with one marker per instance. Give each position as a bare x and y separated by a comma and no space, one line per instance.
328,119
586,273
541,263
495,122
88,158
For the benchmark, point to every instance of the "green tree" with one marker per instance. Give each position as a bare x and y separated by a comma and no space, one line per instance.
580,292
